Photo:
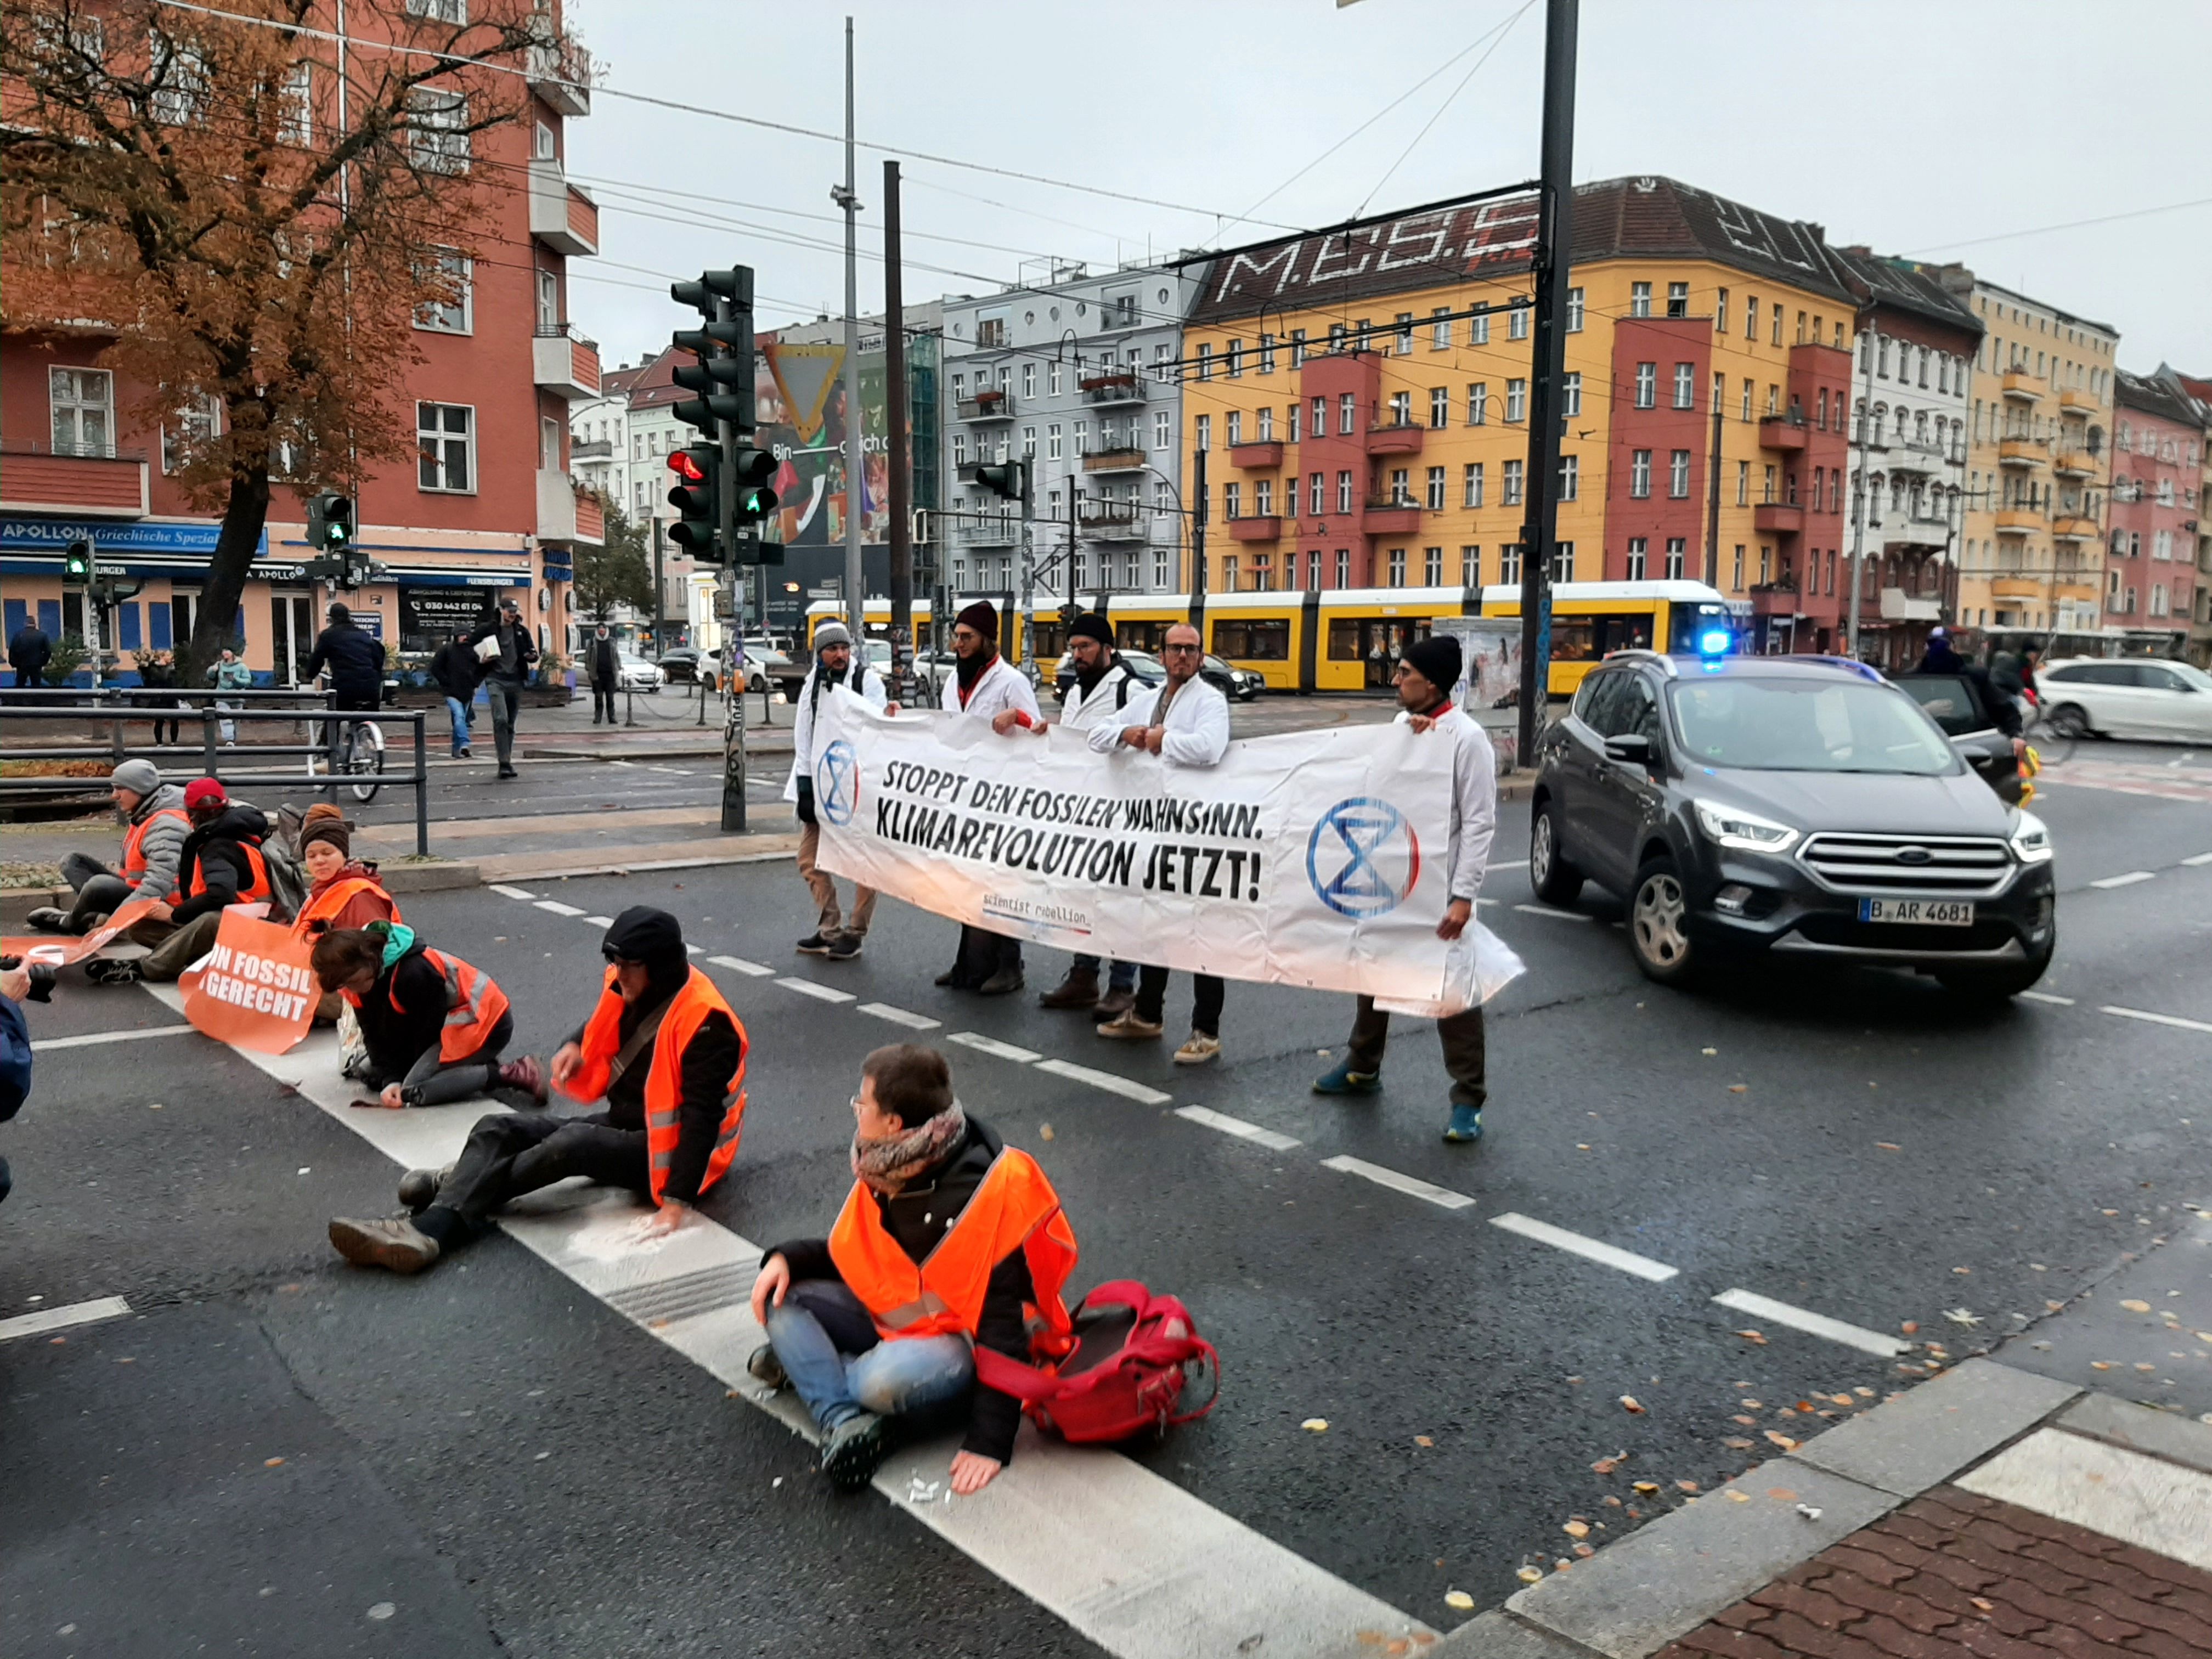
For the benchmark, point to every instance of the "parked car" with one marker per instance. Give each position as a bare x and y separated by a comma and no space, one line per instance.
633,673
1787,806
680,663
2170,701
1959,704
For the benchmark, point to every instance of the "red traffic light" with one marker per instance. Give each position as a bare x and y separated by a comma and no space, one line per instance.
681,463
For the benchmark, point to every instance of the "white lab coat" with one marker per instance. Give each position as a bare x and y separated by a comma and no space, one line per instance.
1001,688
871,688
1474,801
1197,724
1104,704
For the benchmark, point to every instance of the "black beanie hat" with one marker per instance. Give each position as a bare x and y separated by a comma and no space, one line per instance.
645,935
1092,626
1436,660
982,616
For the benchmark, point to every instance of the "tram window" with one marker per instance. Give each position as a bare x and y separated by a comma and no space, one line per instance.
1570,640
1585,638
1140,635
1344,641
1262,641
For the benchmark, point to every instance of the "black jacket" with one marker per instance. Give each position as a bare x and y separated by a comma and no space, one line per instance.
603,663
214,854
354,657
517,650
917,1217
709,1060
403,1015
456,670
28,654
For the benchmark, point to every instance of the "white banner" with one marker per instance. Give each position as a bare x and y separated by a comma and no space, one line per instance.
1313,858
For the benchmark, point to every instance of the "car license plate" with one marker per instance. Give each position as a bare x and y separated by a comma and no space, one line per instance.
1938,913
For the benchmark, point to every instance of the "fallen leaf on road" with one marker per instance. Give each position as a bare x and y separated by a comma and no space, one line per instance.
1782,1440
1737,1443
1739,1088
1459,1599
1909,1327
2100,1365
1628,1404
1962,1316
2133,1305
1986,1607
1889,1146
1606,1465
1577,1528
1753,1404
1611,1502
1401,1645
1045,1132
1841,1399
1585,1551
1962,1270
1736,1496
2108,1213
1530,1575
2054,1307
270,1463
1370,1638
1748,1422
1315,1425
1752,1336
1423,1440
1710,1051
1685,1485
1647,1487
2203,1336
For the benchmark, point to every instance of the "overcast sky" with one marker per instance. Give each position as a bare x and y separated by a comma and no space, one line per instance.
1922,127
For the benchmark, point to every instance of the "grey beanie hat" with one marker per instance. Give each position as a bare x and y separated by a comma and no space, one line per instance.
140,777
832,633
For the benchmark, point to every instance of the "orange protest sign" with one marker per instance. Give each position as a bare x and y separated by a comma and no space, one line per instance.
60,951
255,988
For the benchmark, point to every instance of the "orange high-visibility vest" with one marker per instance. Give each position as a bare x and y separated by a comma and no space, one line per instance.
664,1083
1014,1208
134,851
260,888
326,905
473,1005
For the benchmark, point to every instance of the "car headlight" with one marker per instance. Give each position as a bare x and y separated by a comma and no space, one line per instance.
1731,826
2031,841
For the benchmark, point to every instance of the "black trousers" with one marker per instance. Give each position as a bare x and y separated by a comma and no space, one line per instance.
1460,1034
1206,995
602,703
983,954
517,1152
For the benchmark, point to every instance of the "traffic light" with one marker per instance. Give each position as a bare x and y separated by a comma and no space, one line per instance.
697,496
723,376
330,525
749,472
76,563
1002,478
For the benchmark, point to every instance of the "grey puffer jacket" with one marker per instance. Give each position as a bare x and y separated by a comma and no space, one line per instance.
164,841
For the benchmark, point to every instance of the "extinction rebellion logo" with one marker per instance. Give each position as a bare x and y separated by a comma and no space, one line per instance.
837,783
1363,857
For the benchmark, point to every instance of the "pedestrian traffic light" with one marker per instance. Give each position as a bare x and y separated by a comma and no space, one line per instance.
330,523
697,496
1002,478
76,563
750,471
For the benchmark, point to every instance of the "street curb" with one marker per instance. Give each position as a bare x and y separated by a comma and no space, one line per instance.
1637,1594
705,861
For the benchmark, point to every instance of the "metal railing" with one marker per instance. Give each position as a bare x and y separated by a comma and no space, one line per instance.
117,707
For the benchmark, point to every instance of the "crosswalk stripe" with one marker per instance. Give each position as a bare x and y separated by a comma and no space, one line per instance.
1411,1186
1812,1324
62,1318
511,892
1143,1093
2175,1020
93,1039
899,1016
807,988
2128,880
1238,1126
1594,1249
557,908
986,1045
1546,910
739,964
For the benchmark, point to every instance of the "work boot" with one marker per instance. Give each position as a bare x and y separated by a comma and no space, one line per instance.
1465,1126
1114,1004
1079,990
1198,1049
816,944
844,947
525,1074
1130,1026
765,1367
47,919
397,1243
1003,982
851,1450
418,1188
1341,1079
109,970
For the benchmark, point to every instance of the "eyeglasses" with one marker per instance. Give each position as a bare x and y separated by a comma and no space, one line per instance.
1177,650
619,960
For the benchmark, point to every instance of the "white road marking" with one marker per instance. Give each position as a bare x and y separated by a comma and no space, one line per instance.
62,1319
600,922
690,950
632,765
2160,1019
900,1016
2127,880
1812,1324
1556,915
2046,996
2201,859
1238,1126
1507,864
739,964
984,1045
512,892
1112,1084
92,1037
558,908
1092,1537
2146,1501
807,988
1443,1197
1560,1238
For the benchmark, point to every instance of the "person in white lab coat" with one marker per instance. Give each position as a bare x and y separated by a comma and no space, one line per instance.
984,686
835,663
1424,679
1185,721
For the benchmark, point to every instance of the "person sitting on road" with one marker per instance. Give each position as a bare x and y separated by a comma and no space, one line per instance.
221,864
156,826
665,1053
434,1026
948,1238
347,892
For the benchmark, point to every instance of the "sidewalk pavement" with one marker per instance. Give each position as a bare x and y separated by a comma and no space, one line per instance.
1989,1512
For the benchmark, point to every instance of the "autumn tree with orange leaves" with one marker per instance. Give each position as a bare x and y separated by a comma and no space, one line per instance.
252,211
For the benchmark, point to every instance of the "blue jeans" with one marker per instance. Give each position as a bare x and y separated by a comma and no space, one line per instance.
457,712
841,1367
1121,977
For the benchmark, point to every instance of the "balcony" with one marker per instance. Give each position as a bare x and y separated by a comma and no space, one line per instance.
2074,464
1108,391
1396,437
562,77
1253,528
2023,386
561,217
1391,515
1871,435
1912,455
1774,599
1123,458
989,533
2018,520
2023,452
564,365
556,506
1780,518
1784,431
1112,521
986,406
2075,529
98,486
2075,401
1263,455
590,449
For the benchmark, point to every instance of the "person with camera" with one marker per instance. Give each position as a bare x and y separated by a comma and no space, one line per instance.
15,986
834,665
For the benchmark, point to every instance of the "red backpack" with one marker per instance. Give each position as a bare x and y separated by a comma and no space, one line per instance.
1133,1353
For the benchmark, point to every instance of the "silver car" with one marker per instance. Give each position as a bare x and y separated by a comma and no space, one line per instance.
2163,701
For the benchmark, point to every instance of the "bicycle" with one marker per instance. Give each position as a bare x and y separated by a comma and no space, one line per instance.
356,749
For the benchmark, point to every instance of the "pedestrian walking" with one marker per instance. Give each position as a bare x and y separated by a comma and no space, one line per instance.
507,667
1424,680
985,686
155,827
1104,686
159,672
666,1054
1185,721
28,654
835,663
229,673
456,671
603,669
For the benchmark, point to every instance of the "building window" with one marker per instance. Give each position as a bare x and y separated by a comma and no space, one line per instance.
1477,403
1640,299
1236,359
1435,489
1471,484
1570,477
1570,394
1029,443
82,401
1737,581
1638,547
1751,317
1263,498
1647,385
960,447
1343,492
1236,428
1029,380
1405,334
1159,569
1440,329
1205,361
1228,574
1347,414
1336,338
1720,311
1314,495
445,444
1574,311
1401,409
1344,567
1082,439
297,125
1321,417
1477,329
1516,321
1678,299
1774,330
1439,406
1432,567
1291,415
1743,483
1470,566
180,81
1205,430
198,421
1678,475
1401,493
1267,353
1639,474
1512,490
1232,500
1745,413
1517,401
1052,379
1562,562
1677,554
455,315
1684,391
437,129
1397,567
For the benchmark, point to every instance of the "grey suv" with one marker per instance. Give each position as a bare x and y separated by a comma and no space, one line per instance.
1801,806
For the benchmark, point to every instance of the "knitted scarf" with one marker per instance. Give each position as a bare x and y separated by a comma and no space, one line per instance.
885,1166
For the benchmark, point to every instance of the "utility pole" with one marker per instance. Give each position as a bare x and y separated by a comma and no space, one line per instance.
856,597
1713,498
1026,600
1555,197
739,322
895,437
1872,339
660,588
1198,550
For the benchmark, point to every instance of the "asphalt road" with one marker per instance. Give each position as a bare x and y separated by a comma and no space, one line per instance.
493,1457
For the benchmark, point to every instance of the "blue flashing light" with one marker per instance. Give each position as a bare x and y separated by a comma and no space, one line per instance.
1713,642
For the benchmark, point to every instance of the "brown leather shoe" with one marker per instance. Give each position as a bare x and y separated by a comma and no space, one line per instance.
1079,990
396,1244
1114,1004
